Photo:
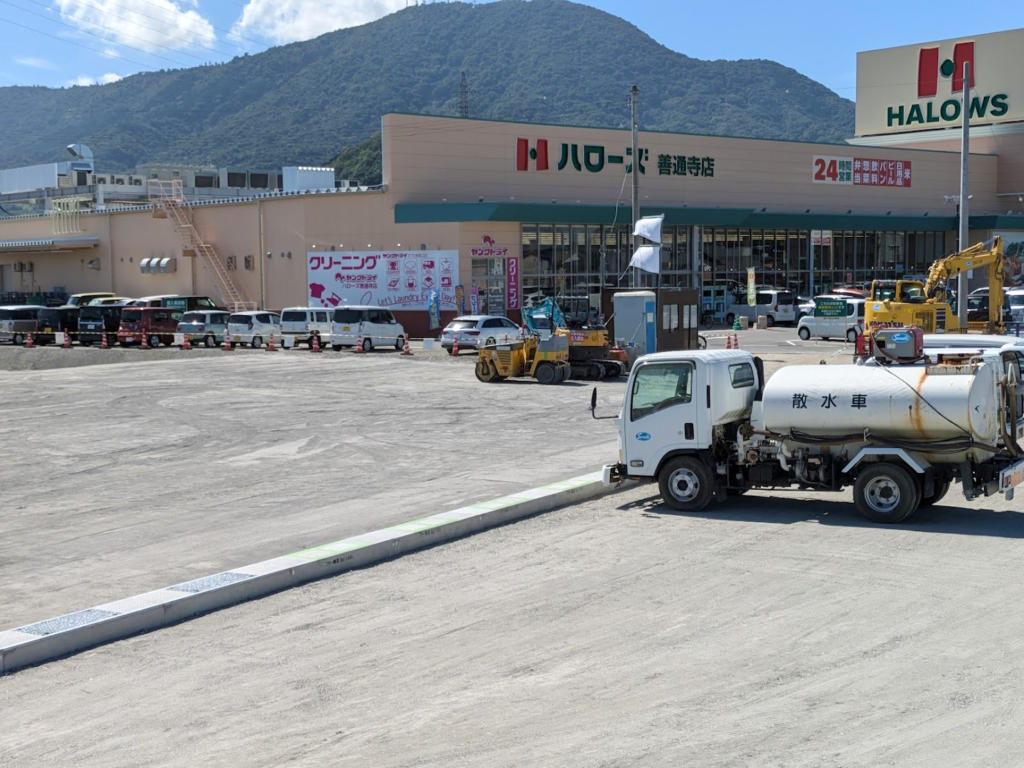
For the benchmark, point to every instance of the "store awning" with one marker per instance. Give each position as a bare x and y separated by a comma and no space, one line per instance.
49,244
559,213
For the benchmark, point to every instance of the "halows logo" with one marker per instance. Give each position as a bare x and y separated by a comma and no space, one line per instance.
929,71
538,153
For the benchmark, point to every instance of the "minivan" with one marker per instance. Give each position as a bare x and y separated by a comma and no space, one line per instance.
17,321
98,319
157,324
54,320
181,303
81,299
306,322
377,326
207,328
776,305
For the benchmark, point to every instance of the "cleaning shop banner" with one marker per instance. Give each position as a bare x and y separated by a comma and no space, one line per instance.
399,280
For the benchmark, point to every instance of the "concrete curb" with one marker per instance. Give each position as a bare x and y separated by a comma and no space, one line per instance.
73,632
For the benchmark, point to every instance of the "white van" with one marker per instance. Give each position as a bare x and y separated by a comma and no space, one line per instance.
777,305
376,325
306,322
847,326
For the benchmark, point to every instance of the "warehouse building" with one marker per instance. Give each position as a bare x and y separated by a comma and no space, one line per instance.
491,216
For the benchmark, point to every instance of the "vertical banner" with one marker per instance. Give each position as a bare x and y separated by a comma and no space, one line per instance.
751,287
434,308
512,282
474,301
460,299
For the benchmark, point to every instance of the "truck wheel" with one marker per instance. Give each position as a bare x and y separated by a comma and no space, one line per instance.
851,336
886,493
804,333
548,374
770,322
685,484
941,488
730,319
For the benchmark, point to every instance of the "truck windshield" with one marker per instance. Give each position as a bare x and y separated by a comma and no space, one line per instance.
660,386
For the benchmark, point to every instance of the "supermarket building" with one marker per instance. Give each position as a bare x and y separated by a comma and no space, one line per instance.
493,215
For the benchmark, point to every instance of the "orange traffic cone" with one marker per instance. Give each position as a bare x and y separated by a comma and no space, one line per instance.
103,341
728,341
226,346
735,341
185,344
405,349
270,344
455,345
67,340
316,344
359,340
28,342
145,341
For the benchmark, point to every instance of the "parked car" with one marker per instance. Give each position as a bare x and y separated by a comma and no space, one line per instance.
376,325
181,303
253,328
96,319
1015,299
81,299
102,302
804,306
156,324
776,305
17,321
306,322
977,309
206,327
475,331
849,326
54,320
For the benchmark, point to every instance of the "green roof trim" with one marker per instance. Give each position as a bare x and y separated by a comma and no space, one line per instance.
556,213
1013,221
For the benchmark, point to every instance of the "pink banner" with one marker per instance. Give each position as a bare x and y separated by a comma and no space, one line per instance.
512,282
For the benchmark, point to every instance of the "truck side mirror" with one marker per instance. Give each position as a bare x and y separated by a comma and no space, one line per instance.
593,402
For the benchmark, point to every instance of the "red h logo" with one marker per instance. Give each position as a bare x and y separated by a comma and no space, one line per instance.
928,69
524,154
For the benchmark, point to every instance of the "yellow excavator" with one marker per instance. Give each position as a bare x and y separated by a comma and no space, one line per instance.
903,303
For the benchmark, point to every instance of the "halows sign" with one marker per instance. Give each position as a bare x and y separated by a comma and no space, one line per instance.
399,280
919,87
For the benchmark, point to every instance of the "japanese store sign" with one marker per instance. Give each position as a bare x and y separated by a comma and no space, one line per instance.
400,280
595,157
860,171
512,282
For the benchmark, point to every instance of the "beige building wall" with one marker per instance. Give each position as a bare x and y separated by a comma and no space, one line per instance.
451,160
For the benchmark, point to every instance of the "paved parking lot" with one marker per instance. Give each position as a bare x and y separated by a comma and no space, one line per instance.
768,631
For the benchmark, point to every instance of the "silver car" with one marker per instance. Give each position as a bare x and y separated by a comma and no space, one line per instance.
253,328
207,328
475,331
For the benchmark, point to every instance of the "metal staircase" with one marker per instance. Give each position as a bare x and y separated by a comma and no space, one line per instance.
169,202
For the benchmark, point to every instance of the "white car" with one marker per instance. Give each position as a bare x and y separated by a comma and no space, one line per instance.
776,305
306,322
253,328
1015,298
475,331
848,327
376,326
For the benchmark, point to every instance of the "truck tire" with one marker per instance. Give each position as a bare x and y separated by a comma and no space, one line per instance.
730,319
686,484
886,493
770,322
548,374
940,490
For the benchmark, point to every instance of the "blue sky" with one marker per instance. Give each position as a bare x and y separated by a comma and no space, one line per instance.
64,42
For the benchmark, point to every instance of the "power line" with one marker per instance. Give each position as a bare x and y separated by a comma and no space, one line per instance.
80,45
225,31
94,34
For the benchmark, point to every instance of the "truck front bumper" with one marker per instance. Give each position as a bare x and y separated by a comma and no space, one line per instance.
612,474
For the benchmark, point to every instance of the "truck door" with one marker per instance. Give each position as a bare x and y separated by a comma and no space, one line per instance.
661,414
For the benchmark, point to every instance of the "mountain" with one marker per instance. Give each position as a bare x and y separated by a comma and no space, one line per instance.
545,61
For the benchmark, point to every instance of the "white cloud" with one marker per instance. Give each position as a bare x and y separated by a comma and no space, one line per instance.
146,24
286,21
106,79
32,61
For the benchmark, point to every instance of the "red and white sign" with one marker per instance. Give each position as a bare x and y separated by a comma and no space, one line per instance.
401,280
512,282
881,173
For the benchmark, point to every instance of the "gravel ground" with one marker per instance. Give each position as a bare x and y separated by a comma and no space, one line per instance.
767,631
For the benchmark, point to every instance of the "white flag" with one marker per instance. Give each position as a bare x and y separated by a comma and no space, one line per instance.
647,258
649,228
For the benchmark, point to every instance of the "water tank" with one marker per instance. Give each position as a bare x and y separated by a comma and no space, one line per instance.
916,402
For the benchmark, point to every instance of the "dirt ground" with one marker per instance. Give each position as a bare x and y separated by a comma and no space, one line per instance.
766,631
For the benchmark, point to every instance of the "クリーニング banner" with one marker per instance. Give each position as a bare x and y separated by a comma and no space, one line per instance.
399,280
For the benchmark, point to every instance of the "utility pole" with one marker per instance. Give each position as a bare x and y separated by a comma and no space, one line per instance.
635,108
462,95
961,283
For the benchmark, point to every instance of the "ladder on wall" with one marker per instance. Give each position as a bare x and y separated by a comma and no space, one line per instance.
168,201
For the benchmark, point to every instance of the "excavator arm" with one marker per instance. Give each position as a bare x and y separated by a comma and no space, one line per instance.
988,254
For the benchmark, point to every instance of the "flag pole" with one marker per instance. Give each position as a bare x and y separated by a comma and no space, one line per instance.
635,110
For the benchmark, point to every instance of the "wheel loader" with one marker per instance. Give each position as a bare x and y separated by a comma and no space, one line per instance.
546,360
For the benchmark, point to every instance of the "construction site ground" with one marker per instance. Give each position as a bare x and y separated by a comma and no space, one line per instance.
767,631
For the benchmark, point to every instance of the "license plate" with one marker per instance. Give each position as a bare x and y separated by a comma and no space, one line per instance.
189,336
344,327
129,339
235,339
47,330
